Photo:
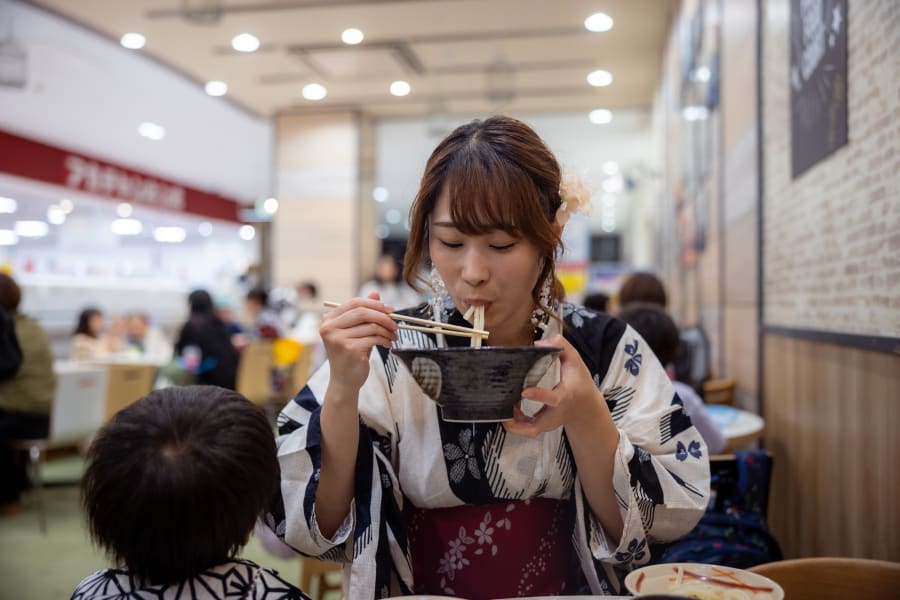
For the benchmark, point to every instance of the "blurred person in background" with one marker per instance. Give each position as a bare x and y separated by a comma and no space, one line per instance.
224,309
390,287
642,287
204,344
26,397
145,339
661,334
598,302
173,487
263,321
88,341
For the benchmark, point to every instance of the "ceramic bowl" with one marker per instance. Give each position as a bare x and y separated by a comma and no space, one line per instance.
477,384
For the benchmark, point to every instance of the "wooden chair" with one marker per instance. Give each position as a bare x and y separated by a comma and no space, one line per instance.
719,391
75,415
254,374
312,569
834,578
127,383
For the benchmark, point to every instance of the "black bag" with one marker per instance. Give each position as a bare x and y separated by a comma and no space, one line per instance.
10,351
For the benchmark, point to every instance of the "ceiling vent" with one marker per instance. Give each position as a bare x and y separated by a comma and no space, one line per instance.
201,12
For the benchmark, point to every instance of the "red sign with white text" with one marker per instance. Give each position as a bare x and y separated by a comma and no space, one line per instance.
33,160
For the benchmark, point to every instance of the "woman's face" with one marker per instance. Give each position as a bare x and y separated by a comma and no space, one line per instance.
95,323
496,270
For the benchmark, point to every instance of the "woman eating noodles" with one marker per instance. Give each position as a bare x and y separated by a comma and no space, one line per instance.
599,460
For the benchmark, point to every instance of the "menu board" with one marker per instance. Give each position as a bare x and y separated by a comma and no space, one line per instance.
818,80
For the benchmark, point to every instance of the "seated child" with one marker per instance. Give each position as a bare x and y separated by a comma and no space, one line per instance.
173,487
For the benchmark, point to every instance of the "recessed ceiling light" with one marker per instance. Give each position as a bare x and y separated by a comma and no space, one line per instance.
245,42
600,116
126,227
599,78
171,235
216,88
247,232
598,22
610,167
393,216
8,237
694,113
701,74
205,228
380,194
56,215
400,88
382,231
66,205
152,131
34,229
133,41
270,205
352,36
8,205
613,185
314,91
124,210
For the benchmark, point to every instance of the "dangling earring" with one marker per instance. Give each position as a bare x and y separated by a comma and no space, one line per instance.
440,298
539,316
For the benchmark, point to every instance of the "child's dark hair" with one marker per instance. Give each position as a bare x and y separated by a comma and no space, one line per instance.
176,481
656,327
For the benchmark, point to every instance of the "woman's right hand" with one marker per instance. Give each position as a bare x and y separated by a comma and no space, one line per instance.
349,332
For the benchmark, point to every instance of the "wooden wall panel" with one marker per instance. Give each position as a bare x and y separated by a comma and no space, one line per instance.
832,416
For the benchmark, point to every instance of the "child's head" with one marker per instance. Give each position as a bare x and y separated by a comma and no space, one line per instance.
643,287
175,482
656,327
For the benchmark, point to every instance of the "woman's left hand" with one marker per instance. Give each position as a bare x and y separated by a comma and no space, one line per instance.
574,399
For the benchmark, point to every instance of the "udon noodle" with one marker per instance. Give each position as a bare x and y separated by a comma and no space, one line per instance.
475,316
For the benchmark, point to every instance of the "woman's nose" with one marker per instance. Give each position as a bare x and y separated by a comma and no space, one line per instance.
474,269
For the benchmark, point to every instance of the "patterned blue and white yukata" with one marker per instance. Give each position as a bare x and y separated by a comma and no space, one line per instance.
409,453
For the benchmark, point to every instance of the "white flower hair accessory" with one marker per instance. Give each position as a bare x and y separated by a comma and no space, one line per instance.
576,198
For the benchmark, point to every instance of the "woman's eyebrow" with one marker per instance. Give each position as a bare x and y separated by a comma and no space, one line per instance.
450,224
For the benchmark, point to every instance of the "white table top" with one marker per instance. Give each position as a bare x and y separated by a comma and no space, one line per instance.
738,426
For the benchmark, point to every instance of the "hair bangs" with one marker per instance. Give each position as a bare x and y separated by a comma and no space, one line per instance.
487,193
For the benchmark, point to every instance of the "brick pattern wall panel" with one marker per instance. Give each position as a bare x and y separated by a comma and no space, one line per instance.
832,236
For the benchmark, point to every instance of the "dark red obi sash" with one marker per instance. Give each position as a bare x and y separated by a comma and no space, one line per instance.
514,549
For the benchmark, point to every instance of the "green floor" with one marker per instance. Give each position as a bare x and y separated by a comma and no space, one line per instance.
45,567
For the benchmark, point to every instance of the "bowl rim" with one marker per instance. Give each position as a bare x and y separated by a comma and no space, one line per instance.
648,571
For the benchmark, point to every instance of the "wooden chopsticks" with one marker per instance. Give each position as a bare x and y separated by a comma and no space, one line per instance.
431,326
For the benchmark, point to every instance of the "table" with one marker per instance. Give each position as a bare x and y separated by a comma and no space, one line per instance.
739,426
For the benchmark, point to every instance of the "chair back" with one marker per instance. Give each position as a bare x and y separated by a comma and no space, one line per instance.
834,578
78,403
254,375
127,383
719,391
301,370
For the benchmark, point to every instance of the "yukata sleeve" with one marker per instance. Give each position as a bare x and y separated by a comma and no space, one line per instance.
293,511
661,471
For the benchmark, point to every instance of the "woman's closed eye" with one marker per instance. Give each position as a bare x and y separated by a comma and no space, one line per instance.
502,247
451,244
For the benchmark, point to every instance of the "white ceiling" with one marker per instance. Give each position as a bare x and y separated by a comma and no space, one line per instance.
444,48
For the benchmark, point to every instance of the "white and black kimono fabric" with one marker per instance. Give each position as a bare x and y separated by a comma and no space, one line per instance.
408,453
238,579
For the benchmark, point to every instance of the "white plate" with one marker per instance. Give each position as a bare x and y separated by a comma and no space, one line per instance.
660,579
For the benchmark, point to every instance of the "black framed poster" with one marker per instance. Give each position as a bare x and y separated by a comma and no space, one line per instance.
818,80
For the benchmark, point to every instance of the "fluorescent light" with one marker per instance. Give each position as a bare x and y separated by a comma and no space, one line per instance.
33,229
205,228
598,22
216,88
247,232
701,74
400,88
599,78
352,36
133,41
610,167
124,210
8,237
694,113
270,205
171,235
314,91
382,231
152,131
126,227
66,205
55,215
393,216
380,194
600,116
8,205
245,42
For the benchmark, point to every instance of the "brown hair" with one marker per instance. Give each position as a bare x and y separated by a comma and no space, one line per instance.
500,175
642,287
10,293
